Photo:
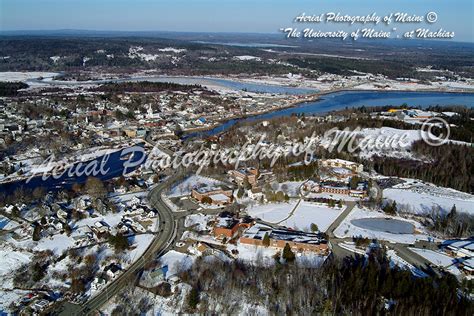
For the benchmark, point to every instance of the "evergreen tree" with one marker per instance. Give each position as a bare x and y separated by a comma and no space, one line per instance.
193,298
266,240
288,254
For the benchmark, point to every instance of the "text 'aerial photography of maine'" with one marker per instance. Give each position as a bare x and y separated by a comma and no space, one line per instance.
253,158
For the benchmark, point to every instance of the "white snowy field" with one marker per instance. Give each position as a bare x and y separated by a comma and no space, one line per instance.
197,221
10,260
348,230
393,142
301,219
416,197
307,213
185,187
25,75
272,212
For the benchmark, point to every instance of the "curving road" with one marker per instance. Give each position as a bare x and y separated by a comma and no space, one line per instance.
160,244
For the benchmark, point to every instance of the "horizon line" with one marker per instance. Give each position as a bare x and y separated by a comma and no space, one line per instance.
26,31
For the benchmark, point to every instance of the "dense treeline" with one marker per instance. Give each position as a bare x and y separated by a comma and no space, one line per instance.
358,286
144,86
34,52
451,166
450,225
10,89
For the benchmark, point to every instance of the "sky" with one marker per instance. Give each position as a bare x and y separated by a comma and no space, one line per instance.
254,16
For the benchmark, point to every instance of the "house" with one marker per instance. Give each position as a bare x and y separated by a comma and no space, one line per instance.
112,270
158,274
100,229
98,282
255,193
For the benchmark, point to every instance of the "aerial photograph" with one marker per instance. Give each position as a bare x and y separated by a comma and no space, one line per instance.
237,157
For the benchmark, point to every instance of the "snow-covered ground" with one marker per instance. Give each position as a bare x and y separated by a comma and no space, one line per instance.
300,219
185,187
292,188
347,229
436,257
10,260
387,141
413,86
307,213
396,260
272,212
197,221
247,57
417,197
25,75
172,50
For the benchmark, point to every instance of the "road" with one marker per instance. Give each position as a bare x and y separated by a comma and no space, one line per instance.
340,218
171,226
401,249
160,244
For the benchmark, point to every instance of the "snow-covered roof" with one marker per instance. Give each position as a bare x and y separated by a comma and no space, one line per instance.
219,197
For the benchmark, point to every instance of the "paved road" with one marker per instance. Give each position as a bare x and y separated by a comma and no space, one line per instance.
340,218
401,249
159,245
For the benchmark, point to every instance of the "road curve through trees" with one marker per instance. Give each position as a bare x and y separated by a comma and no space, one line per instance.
159,245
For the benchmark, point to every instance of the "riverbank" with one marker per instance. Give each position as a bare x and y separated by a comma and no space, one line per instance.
314,98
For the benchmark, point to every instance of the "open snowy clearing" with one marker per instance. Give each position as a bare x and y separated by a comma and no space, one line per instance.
272,212
421,198
302,217
185,187
307,213
23,76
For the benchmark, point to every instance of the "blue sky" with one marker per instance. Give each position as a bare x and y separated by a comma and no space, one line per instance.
261,16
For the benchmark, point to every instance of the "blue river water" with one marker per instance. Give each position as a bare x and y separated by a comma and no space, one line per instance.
352,99
226,83
116,164
329,102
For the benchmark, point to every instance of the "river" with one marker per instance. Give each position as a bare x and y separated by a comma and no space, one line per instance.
328,102
351,99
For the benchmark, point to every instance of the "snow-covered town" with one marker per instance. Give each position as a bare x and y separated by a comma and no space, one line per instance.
234,174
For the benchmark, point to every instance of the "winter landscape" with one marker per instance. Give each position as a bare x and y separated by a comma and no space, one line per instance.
163,173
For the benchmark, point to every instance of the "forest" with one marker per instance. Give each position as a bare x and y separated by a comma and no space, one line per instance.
10,89
352,286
